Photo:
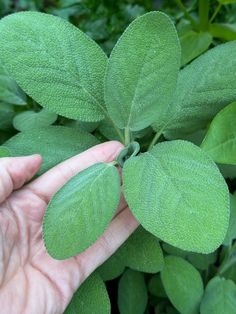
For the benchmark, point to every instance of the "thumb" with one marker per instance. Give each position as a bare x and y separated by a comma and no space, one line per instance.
15,171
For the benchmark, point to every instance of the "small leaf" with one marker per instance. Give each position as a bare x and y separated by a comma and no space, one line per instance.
193,44
132,293
90,296
55,63
4,152
223,31
155,286
81,210
112,268
142,71
27,120
45,142
219,297
183,285
220,140
231,232
142,252
226,1
168,189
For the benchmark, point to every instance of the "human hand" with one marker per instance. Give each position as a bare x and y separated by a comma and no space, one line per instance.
30,280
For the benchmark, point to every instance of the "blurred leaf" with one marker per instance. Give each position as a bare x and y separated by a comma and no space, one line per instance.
155,286
6,116
112,268
223,31
231,233
4,152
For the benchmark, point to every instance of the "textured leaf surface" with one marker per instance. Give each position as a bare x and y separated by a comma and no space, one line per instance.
231,232
55,63
219,297
193,44
45,142
27,120
9,90
201,91
142,71
177,193
183,285
132,293
81,210
220,140
90,298
142,252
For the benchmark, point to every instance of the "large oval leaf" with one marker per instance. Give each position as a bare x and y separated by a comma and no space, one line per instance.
81,210
183,285
201,91
55,63
45,142
90,296
142,71
177,193
220,140
219,297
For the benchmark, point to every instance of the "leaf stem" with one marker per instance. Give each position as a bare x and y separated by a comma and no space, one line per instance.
215,13
155,139
127,136
203,14
186,13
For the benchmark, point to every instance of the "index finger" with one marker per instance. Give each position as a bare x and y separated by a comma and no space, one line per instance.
50,182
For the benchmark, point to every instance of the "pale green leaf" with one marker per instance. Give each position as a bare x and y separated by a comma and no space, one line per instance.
219,297
55,63
90,298
231,232
177,193
142,71
27,120
193,44
204,87
112,268
142,252
183,285
220,140
81,211
132,293
45,142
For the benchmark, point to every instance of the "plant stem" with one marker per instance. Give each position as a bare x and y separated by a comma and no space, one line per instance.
186,13
127,136
155,139
215,13
203,14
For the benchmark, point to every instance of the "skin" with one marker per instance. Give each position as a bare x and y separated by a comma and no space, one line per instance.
30,280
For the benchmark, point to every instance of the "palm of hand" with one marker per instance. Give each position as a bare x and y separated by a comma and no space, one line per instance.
30,280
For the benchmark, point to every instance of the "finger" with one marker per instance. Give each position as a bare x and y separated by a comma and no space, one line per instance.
15,171
50,182
117,233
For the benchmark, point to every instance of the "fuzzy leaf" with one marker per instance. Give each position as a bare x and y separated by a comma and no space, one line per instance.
45,142
90,296
201,92
169,188
220,140
142,71
219,297
55,63
183,284
27,120
132,293
81,210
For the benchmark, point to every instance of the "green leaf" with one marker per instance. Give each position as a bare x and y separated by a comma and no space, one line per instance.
91,297
183,285
202,261
231,232
9,90
223,31
168,189
45,142
201,92
193,44
81,211
155,286
220,140
226,1
4,152
55,63
112,268
81,126
27,120
219,297
142,252
142,71
132,293
6,116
